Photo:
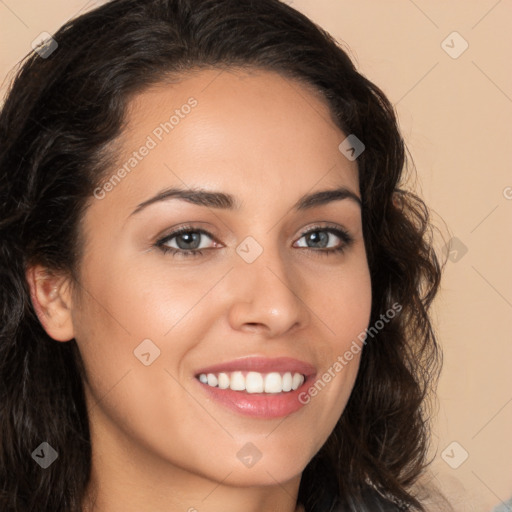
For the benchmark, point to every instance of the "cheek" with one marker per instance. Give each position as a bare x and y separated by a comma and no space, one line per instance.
134,300
135,329
343,312
345,303
127,320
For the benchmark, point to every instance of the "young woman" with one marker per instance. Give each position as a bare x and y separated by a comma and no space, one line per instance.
214,291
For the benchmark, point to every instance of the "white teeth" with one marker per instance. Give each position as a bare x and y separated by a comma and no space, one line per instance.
254,382
237,381
223,381
273,383
287,381
297,380
212,380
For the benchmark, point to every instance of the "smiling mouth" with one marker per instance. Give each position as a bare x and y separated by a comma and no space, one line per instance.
254,382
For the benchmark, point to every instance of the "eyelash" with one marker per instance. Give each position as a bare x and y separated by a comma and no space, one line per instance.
340,233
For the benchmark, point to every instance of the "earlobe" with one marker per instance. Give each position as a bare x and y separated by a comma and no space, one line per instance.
51,299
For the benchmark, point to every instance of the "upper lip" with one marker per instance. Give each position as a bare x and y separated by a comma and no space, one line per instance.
262,365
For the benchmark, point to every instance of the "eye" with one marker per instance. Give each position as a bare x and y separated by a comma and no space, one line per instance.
187,240
321,236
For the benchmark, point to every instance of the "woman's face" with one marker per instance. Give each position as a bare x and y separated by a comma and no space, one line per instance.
149,322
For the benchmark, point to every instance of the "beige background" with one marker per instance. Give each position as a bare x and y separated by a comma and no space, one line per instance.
456,116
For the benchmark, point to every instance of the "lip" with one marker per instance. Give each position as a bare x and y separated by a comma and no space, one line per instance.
262,365
260,405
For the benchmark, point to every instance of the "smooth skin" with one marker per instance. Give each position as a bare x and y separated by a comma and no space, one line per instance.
159,442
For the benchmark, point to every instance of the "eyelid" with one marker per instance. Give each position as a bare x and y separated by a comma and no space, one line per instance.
331,228
185,229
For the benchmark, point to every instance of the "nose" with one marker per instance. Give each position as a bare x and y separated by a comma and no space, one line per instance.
265,296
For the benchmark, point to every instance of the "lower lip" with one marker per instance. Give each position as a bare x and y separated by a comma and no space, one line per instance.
259,405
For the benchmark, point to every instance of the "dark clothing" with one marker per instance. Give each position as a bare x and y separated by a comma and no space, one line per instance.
373,502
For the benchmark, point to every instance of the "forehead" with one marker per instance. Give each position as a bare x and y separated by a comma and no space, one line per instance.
246,130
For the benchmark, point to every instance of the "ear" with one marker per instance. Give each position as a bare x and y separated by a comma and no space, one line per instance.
51,298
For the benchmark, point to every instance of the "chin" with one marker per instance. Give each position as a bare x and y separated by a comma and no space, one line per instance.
265,476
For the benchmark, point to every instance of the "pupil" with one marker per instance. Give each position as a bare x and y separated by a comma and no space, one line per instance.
319,236
189,238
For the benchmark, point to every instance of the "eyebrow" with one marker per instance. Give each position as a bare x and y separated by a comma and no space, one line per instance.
221,200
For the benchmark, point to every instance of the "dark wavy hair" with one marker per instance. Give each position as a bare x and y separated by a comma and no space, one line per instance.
62,114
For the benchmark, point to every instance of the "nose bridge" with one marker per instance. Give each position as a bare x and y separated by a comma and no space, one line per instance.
264,288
